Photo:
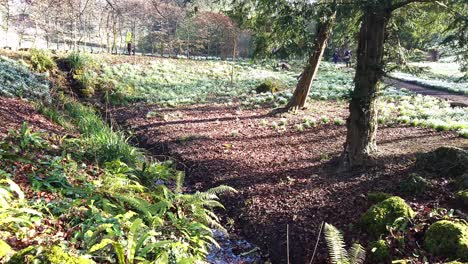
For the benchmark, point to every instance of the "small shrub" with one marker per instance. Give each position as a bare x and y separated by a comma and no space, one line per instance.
283,122
324,119
404,119
310,123
270,85
384,214
79,61
41,61
300,127
263,122
448,239
339,122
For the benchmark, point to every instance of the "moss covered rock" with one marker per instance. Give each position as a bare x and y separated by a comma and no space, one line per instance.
447,239
379,251
379,216
446,161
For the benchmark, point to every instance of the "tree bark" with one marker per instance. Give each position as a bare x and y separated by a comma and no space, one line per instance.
362,122
301,93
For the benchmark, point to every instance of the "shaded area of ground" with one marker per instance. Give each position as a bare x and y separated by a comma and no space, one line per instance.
284,177
455,99
13,112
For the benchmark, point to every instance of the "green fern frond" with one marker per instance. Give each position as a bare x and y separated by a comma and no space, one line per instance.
336,245
179,181
357,254
222,189
135,203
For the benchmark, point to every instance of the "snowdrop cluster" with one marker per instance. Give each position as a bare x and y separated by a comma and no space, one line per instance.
16,80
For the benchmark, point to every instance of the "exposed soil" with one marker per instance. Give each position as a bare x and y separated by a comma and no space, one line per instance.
454,99
285,177
13,112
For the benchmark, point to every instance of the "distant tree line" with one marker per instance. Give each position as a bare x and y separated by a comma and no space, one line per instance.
164,27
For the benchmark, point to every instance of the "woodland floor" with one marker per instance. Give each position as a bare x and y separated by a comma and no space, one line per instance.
14,112
284,177
455,99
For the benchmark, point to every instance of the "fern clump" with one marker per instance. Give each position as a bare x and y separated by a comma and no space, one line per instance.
336,248
42,61
448,239
384,214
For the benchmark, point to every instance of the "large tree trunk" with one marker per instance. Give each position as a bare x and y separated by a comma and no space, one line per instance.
301,93
362,122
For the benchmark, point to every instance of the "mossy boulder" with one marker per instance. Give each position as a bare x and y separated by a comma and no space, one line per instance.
447,239
383,214
52,255
445,161
379,251
269,86
462,197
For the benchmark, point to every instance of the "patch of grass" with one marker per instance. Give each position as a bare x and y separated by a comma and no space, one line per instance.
339,121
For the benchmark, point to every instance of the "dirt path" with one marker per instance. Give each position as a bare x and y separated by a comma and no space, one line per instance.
283,177
454,99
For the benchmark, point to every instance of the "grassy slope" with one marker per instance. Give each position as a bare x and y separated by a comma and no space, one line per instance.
91,192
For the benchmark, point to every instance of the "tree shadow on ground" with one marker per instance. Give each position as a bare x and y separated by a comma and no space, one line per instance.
287,178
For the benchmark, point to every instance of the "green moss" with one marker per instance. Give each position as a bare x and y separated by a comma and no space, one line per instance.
462,196
52,255
377,197
56,255
379,252
379,216
447,239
